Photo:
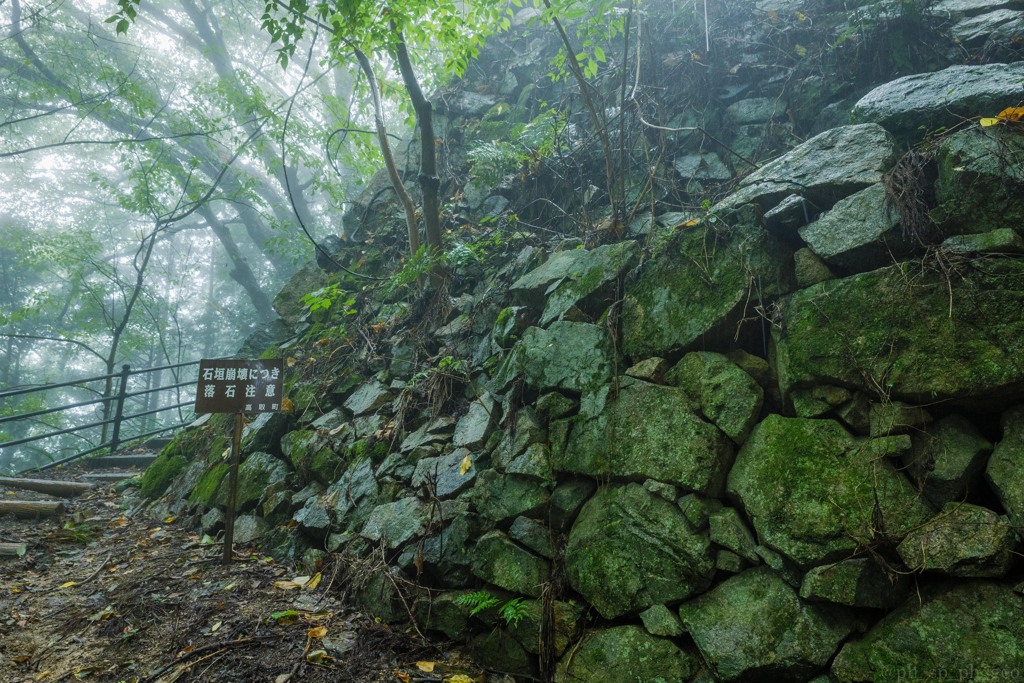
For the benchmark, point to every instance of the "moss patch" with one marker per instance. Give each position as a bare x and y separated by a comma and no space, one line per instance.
159,474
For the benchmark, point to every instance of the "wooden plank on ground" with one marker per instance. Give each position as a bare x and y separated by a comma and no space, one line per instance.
12,549
32,508
64,489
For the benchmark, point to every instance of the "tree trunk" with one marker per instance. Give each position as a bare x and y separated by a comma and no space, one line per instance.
28,509
64,489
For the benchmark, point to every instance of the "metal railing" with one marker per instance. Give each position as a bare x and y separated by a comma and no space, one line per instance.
114,409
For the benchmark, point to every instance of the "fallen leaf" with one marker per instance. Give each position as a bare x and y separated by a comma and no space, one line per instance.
986,122
316,632
216,627
68,584
287,585
319,657
313,582
459,678
466,465
425,667
402,676
1012,113
169,520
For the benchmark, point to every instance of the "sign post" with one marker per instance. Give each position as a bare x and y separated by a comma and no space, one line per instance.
238,387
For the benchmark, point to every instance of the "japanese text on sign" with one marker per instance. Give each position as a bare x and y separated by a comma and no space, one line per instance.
240,386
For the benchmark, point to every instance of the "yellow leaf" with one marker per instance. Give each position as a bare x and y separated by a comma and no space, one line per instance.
216,627
466,465
313,582
286,405
402,676
459,678
690,223
169,520
68,584
989,122
317,632
1012,113
425,667
800,16
800,50
287,585
319,657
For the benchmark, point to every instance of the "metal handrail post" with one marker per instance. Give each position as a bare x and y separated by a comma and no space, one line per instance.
115,438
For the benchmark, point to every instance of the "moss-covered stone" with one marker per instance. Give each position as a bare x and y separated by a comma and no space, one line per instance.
259,473
702,289
754,627
964,631
811,490
726,395
908,334
501,562
1004,473
962,540
858,582
160,473
649,432
630,549
625,653
205,491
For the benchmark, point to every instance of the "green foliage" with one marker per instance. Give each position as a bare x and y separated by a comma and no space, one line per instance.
525,147
597,23
327,298
449,366
511,611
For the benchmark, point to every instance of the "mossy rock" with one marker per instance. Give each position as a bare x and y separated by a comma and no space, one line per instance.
160,473
703,290
811,489
953,631
626,653
204,493
909,334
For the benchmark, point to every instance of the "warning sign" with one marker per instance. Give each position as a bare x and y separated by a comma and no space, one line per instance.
240,386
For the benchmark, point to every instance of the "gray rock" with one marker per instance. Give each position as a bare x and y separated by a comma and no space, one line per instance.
589,283
706,167
956,8
625,653
511,323
212,521
754,627
356,487
572,356
445,613
698,510
442,476
962,540
946,459
249,528
809,269
435,431
264,433
788,216
367,398
1002,25
823,170
649,432
918,104
258,473
755,110
567,500
726,395
649,370
702,292
859,233
499,497
527,630
397,522
630,549
534,535
811,518
288,302
845,331
860,582
475,426
445,558
503,563
970,630
554,405
314,518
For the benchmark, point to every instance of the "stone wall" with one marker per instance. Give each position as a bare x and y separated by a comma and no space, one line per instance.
777,442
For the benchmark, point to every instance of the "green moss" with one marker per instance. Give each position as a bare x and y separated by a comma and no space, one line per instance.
159,474
326,466
206,490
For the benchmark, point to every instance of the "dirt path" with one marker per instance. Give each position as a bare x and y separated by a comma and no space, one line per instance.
105,593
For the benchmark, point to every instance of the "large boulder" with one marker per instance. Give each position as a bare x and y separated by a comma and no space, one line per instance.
946,459
577,277
911,334
754,627
828,167
962,540
980,180
913,106
625,653
502,562
815,493
722,391
630,549
859,233
649,432
704,289
956,631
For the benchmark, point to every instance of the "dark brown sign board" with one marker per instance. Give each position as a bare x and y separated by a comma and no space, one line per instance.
240,386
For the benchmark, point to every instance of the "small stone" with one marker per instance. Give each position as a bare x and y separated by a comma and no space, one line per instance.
661,621
962,540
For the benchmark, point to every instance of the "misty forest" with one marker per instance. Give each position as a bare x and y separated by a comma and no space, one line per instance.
598,340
